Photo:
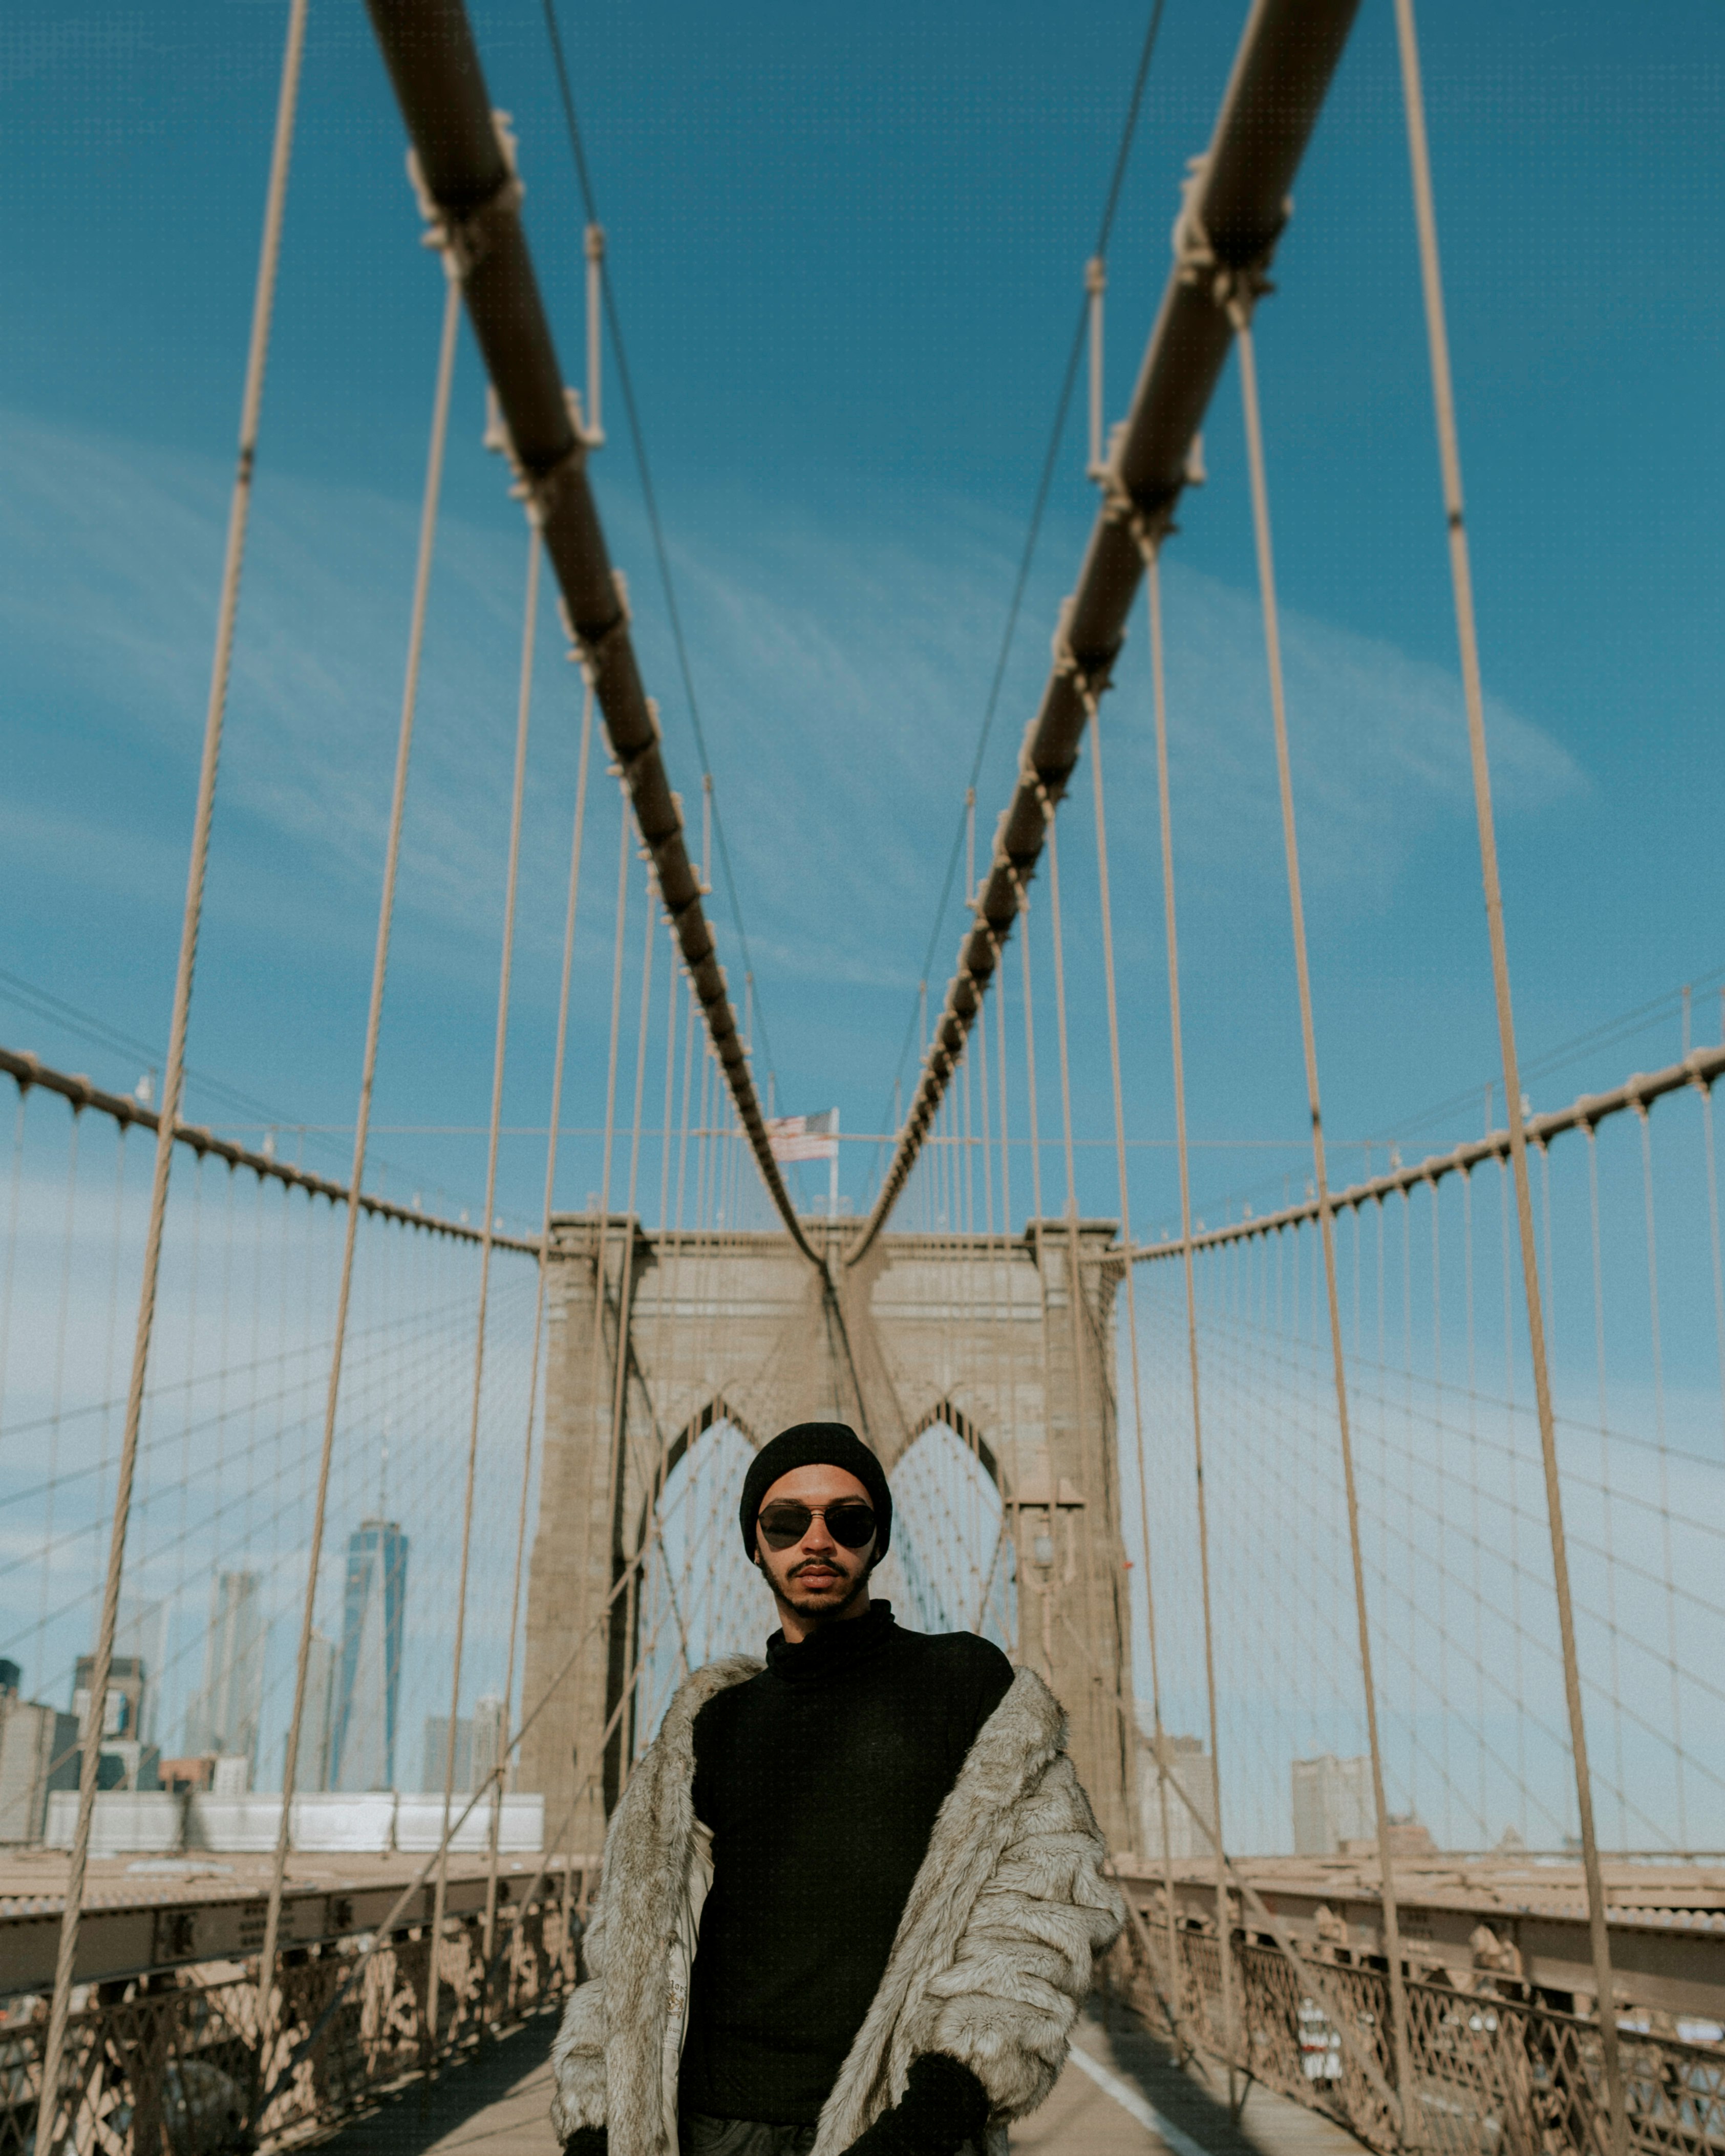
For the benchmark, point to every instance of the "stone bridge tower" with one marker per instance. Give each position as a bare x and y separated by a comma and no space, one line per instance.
1008,1340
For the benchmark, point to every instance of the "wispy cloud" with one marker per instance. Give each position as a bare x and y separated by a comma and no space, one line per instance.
109,614
846,687
1377,740
842,677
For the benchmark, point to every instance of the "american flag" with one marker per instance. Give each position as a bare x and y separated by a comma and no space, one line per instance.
804,1137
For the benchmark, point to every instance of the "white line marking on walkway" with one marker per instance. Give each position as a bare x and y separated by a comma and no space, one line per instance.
1134,2105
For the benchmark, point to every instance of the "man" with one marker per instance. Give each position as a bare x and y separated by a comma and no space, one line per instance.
850,1897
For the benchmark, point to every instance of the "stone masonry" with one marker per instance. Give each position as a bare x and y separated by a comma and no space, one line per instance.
981,1333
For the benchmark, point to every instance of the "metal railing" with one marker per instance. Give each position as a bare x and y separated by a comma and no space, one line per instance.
168,2063
1496,2070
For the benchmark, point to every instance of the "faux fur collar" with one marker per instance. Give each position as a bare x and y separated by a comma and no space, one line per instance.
646,1861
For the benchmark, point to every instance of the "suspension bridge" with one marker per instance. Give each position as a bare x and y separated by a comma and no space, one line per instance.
1370,1535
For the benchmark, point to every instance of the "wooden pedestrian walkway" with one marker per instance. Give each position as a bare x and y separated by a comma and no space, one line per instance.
1120,2096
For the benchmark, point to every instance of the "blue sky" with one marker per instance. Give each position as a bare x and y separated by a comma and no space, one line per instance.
848,250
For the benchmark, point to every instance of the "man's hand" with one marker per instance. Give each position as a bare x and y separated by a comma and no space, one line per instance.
587,2141
944,2105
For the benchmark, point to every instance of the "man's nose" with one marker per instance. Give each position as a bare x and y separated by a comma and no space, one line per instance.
817,1536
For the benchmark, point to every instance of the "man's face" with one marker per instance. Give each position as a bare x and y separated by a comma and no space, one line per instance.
817,1578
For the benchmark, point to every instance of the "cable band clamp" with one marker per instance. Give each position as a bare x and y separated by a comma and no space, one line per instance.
1234,286
587,648
1091,681
542,492
464,239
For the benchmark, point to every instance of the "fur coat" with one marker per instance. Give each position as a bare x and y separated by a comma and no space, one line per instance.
991,1961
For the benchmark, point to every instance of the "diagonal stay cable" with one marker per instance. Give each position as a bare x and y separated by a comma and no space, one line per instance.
651,501
1051,459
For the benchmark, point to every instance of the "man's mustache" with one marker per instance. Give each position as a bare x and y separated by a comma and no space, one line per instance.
815,1564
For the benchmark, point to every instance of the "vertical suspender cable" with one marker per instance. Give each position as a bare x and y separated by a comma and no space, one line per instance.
968,897
663,1361
671,1231
1005,1134
1173,1987
550,1176
1009,1512
602,1233
1099,1716
1665,1507
1152,564
6,1280
174,1075
1044,1588
374,1019
625,1307
1461,578
1096,283
1707,1125
595,249
1010,1520
1002,1391
505,963
1239,308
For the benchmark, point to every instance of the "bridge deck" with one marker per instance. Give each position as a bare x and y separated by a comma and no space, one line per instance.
497,2105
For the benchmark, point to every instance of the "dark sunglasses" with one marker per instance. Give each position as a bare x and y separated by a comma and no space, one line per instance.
850,1523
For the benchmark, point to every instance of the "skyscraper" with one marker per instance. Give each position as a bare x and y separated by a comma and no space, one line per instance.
437,1760
1332,1802
1190,1770
489,1723
38,1745
373,1609
143,1634
479,1746
311,1770
223,1717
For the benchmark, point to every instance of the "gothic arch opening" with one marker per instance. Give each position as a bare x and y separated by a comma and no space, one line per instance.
951,1567
700,1597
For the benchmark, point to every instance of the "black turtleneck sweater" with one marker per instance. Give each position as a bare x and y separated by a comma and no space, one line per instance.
821,1780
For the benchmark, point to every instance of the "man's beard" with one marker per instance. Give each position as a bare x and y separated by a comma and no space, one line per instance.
844,1583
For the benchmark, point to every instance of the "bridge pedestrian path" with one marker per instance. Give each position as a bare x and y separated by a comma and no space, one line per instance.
1121,2095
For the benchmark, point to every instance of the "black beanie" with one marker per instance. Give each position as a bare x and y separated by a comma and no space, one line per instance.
815,1445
